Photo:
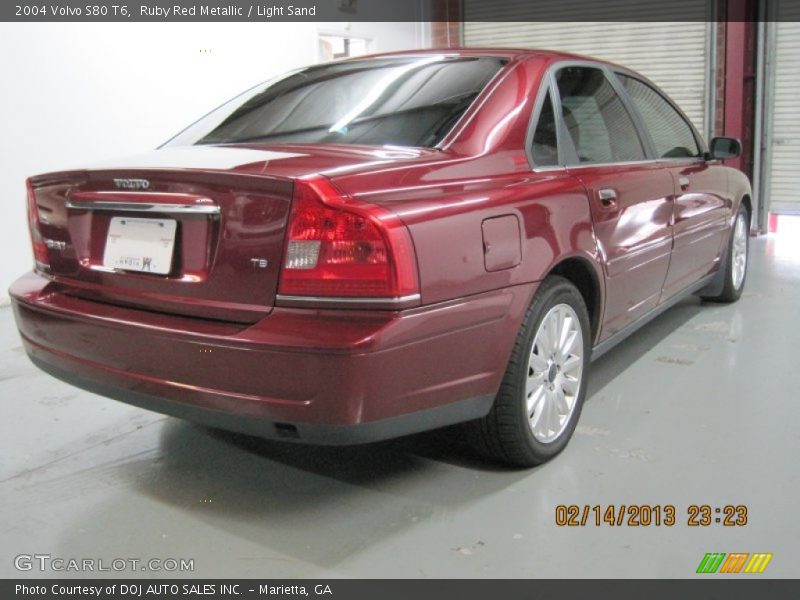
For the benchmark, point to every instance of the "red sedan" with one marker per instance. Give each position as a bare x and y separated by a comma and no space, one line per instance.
370,248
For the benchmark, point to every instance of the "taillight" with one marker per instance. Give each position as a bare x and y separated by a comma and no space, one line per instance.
39,248
337,247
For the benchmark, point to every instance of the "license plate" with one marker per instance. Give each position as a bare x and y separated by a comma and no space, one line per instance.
144,245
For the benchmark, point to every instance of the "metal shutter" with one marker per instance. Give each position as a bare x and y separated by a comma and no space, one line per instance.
784,147
675,55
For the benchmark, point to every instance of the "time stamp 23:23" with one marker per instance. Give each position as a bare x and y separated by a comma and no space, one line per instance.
645,515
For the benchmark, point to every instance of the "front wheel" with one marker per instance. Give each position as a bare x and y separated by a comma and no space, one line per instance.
735,265
540,398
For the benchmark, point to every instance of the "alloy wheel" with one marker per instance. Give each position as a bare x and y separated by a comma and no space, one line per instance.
555,368
739,254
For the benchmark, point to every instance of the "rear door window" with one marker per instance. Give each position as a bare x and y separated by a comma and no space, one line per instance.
599,125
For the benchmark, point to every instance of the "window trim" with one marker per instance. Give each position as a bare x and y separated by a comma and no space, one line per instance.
698,139
548,83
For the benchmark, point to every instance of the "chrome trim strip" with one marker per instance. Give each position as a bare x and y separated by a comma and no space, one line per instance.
346,300
548,169
680,160
627,163
197,209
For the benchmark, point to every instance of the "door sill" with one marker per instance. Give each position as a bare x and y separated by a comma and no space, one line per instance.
623,333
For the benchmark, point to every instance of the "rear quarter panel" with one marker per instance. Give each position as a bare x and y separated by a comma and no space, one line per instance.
446,218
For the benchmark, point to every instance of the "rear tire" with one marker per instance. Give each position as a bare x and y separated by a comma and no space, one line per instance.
735,264
542,392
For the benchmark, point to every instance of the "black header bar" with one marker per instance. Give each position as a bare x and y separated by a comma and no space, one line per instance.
369,10
706,587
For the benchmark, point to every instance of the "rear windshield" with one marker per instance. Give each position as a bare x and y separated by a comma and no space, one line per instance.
406,101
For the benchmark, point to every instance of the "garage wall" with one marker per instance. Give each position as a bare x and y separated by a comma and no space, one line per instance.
784,137
675,55
74,94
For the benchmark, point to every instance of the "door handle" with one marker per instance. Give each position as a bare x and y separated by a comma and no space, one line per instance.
683,182
608,197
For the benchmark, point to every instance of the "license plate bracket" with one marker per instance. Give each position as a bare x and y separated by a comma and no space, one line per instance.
142,245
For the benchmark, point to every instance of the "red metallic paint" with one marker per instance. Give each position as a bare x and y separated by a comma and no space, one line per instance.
297,365
212,334
701,215
634,235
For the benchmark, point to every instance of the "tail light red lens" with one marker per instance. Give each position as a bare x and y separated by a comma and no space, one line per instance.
342,248
39,248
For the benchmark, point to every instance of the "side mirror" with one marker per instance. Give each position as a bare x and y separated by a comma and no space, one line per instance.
723,148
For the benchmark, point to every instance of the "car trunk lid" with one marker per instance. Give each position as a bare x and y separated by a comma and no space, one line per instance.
226,231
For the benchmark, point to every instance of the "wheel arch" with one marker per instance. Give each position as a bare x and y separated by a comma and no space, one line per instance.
748,204
583,274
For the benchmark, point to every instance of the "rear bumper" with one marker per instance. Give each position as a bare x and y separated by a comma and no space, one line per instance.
321,376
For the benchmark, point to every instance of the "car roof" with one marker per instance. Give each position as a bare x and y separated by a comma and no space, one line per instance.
509,53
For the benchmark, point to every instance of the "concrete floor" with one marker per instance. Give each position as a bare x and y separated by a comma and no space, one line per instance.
701,406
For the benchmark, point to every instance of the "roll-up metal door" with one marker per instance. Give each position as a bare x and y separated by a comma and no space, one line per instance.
675,55
784,141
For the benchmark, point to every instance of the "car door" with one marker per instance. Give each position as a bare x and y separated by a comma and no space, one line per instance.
630,195
701,210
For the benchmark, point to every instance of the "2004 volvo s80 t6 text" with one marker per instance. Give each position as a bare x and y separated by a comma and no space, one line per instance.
369,248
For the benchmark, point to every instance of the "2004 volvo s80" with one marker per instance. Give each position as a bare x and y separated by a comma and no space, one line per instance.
374,247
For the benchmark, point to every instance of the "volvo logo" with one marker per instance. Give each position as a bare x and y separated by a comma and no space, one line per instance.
132,184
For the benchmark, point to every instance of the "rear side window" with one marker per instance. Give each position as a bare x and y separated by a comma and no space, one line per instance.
599,125
544,146
401,101
671,134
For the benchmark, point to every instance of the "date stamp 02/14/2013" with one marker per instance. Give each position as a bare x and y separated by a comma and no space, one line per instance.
650,515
